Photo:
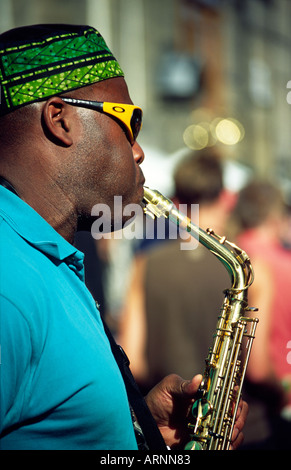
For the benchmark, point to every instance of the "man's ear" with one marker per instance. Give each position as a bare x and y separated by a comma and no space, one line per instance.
57,121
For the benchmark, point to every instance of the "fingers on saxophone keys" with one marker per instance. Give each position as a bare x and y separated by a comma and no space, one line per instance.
237,439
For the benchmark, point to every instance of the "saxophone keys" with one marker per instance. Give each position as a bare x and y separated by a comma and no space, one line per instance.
251,309
193,445
221,240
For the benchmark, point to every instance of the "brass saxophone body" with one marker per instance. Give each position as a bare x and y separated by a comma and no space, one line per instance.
213,413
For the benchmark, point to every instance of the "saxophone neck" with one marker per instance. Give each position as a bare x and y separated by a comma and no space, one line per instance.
233,258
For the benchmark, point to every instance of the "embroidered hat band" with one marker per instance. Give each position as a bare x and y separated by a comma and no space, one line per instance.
40,61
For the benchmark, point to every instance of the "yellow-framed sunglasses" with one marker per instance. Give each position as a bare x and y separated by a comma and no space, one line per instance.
127,115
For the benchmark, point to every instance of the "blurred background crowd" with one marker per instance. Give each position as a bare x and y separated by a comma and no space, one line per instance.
213,78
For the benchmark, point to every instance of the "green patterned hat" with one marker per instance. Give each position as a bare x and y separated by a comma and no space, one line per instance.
40,61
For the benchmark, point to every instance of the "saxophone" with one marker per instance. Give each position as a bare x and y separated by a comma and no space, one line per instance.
213,413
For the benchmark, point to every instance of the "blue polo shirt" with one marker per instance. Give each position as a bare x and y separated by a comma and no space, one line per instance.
60,385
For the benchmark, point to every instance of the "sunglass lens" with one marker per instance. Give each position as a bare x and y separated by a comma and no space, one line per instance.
136,122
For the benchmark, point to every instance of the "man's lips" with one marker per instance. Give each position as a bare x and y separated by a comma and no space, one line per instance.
140,188
142,180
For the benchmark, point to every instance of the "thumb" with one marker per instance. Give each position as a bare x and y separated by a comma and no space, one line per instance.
190,387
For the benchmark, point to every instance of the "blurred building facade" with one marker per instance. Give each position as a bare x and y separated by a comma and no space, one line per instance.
205,71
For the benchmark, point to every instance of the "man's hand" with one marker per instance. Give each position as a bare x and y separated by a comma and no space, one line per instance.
241,416
170,402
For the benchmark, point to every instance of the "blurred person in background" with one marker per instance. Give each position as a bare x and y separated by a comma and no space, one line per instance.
260,219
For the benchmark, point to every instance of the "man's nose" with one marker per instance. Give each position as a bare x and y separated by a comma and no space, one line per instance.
138,153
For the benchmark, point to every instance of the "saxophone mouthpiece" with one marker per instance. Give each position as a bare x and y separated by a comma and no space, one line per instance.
155,204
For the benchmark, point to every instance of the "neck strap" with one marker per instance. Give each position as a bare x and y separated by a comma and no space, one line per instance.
7,185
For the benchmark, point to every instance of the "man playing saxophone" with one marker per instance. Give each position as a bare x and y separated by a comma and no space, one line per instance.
68,141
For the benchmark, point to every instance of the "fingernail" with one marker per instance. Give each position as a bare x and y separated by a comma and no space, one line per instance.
235,434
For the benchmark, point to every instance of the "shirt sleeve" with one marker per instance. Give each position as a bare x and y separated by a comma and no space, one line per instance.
16,352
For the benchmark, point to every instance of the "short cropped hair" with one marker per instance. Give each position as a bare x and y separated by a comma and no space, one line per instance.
198,178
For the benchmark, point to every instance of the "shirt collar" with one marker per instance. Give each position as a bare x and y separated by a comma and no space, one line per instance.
24,220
